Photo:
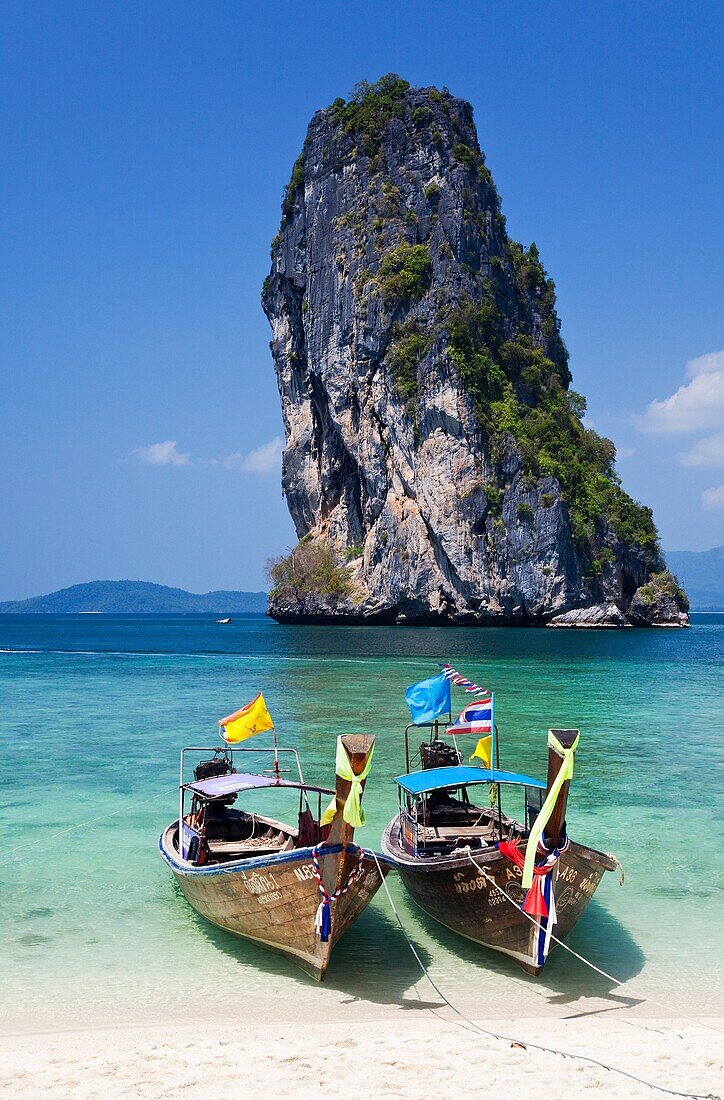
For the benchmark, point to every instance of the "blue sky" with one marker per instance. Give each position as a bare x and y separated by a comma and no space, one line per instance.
145,148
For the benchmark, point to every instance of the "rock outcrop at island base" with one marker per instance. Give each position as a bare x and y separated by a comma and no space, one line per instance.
432,441
600,616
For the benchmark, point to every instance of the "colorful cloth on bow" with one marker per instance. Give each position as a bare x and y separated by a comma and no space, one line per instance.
353,813
476,717
429,699
251,719
459,680
323,918
536,833
535,902
539,901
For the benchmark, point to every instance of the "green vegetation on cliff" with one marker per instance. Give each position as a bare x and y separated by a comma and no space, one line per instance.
404,274
370,108
405,356
311,569
290,191
518,390
663,583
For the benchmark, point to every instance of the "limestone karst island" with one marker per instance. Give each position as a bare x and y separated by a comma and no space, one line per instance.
437,468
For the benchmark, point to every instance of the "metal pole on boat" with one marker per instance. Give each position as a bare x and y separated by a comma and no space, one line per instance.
276,755
495,760
181,804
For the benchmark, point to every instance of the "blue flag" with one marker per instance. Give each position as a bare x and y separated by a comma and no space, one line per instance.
428,699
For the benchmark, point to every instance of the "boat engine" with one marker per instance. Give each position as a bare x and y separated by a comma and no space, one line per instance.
438,754
220,764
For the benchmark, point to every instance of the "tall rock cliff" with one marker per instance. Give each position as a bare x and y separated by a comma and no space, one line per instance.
433,446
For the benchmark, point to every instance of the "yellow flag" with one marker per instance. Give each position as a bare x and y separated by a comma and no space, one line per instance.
244,723
483,750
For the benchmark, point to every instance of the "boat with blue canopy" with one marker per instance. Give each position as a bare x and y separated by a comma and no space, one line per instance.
484,850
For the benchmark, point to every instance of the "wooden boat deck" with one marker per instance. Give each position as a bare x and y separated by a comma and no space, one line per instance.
252,846
454,832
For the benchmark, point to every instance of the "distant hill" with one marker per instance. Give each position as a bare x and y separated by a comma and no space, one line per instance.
137,598
702,575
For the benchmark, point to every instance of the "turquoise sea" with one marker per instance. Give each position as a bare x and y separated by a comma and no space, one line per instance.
95,709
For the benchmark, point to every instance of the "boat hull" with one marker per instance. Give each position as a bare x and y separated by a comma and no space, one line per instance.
273,900
454,892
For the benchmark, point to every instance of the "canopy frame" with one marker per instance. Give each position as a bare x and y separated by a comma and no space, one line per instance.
229,750
416,788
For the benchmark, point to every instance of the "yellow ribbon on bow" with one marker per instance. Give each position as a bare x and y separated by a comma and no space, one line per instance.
565,772
352,813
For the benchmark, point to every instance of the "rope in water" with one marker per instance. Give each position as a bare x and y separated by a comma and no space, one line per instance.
83,825
610,977
507,1038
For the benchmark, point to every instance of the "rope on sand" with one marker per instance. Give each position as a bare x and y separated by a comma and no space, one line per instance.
468,1024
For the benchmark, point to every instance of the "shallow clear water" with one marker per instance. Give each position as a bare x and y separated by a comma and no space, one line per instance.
95,709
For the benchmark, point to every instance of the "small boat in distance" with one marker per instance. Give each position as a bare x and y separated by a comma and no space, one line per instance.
224,622
294,888
503,883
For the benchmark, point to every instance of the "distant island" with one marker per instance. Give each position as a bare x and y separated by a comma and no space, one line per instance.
136,598
702,575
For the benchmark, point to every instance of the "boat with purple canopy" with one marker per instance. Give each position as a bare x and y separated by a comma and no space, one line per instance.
294,888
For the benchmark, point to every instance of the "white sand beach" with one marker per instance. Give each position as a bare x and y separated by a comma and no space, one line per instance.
405,1055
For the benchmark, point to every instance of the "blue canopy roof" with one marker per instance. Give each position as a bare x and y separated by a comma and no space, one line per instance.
436,779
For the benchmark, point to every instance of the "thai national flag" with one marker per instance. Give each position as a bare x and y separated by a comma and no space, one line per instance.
475,718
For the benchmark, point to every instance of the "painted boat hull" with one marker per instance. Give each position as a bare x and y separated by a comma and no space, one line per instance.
273,900
454,892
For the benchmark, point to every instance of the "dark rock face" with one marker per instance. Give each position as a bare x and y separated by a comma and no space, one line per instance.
392,258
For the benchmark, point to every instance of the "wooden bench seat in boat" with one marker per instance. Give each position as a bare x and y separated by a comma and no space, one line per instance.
452,832
435,835
253,846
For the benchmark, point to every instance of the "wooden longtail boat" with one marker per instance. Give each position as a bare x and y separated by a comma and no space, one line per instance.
293,888
458,860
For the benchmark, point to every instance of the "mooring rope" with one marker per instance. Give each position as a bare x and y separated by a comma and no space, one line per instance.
610,977
524,1043
82,825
